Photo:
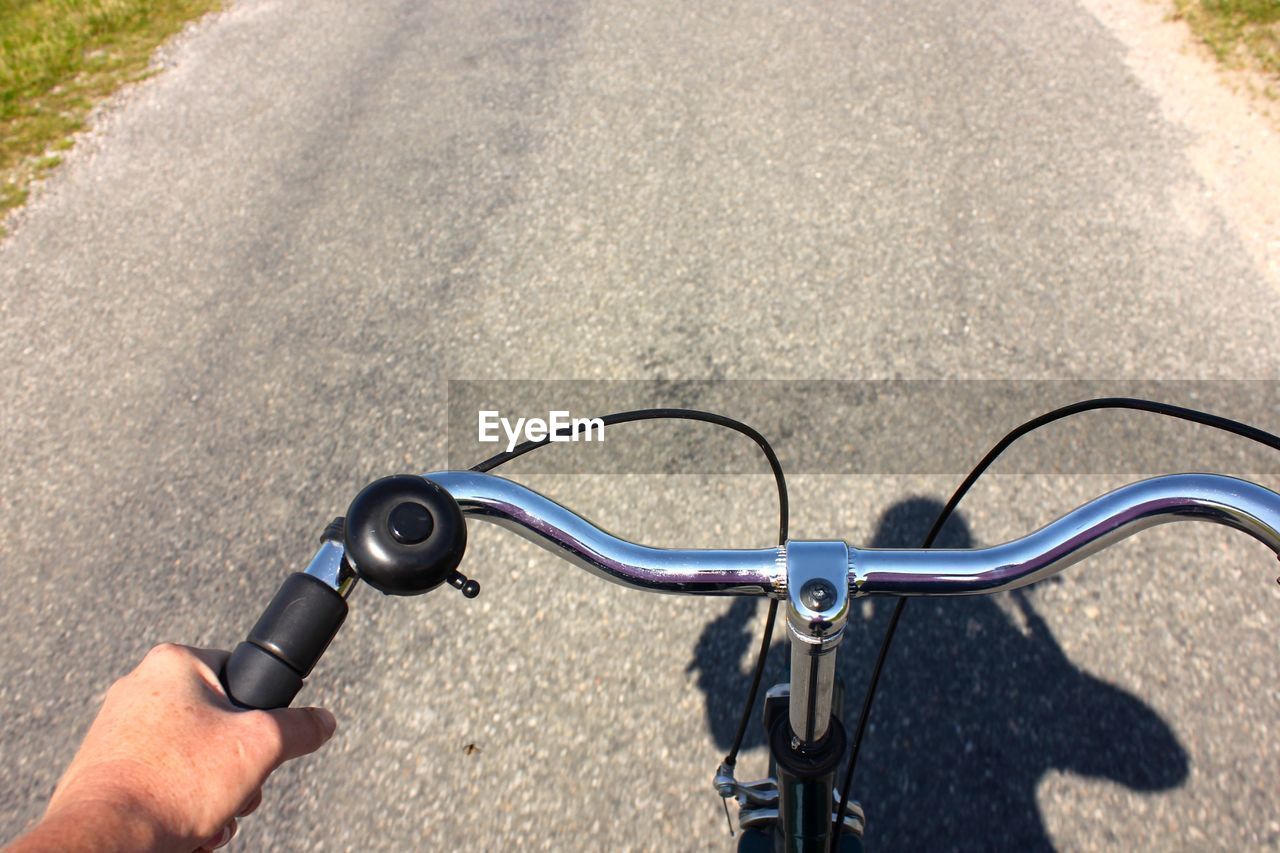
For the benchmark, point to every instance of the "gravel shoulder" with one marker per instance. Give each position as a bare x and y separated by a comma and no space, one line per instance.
1233,133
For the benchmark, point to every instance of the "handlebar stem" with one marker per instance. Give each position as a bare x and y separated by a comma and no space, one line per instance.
817,610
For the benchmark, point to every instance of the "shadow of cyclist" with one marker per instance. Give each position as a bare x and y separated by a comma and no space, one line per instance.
973,709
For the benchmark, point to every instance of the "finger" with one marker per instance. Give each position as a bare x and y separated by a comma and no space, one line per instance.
250,804
231,833
220,840
302,730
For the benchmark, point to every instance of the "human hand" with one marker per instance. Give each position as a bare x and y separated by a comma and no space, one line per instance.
169,762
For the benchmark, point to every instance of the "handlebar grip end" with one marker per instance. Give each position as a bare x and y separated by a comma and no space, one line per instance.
267,670
255,678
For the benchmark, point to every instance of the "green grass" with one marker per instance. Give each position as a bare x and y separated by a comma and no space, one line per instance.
1243,33
60,57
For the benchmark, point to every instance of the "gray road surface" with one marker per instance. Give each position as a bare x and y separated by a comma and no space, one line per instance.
242,299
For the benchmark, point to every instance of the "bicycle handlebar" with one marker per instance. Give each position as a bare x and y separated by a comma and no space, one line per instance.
405,535
933,571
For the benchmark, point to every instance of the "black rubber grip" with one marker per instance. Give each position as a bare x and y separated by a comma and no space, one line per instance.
258,679
267,670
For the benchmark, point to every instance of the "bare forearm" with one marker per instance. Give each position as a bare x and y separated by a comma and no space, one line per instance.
92,826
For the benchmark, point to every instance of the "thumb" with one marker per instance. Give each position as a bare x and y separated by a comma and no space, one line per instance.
302,730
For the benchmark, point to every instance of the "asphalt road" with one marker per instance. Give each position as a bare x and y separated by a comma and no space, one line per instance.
243,297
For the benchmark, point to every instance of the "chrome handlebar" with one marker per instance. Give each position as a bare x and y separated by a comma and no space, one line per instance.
561,531
936,571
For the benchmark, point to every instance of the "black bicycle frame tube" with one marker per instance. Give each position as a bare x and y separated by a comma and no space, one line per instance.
805,780
806,785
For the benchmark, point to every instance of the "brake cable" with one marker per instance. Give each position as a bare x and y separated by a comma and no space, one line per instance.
783,519
1237,428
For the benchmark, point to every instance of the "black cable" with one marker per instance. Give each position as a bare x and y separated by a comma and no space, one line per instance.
783,515
1204,418
732,758
1215,421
